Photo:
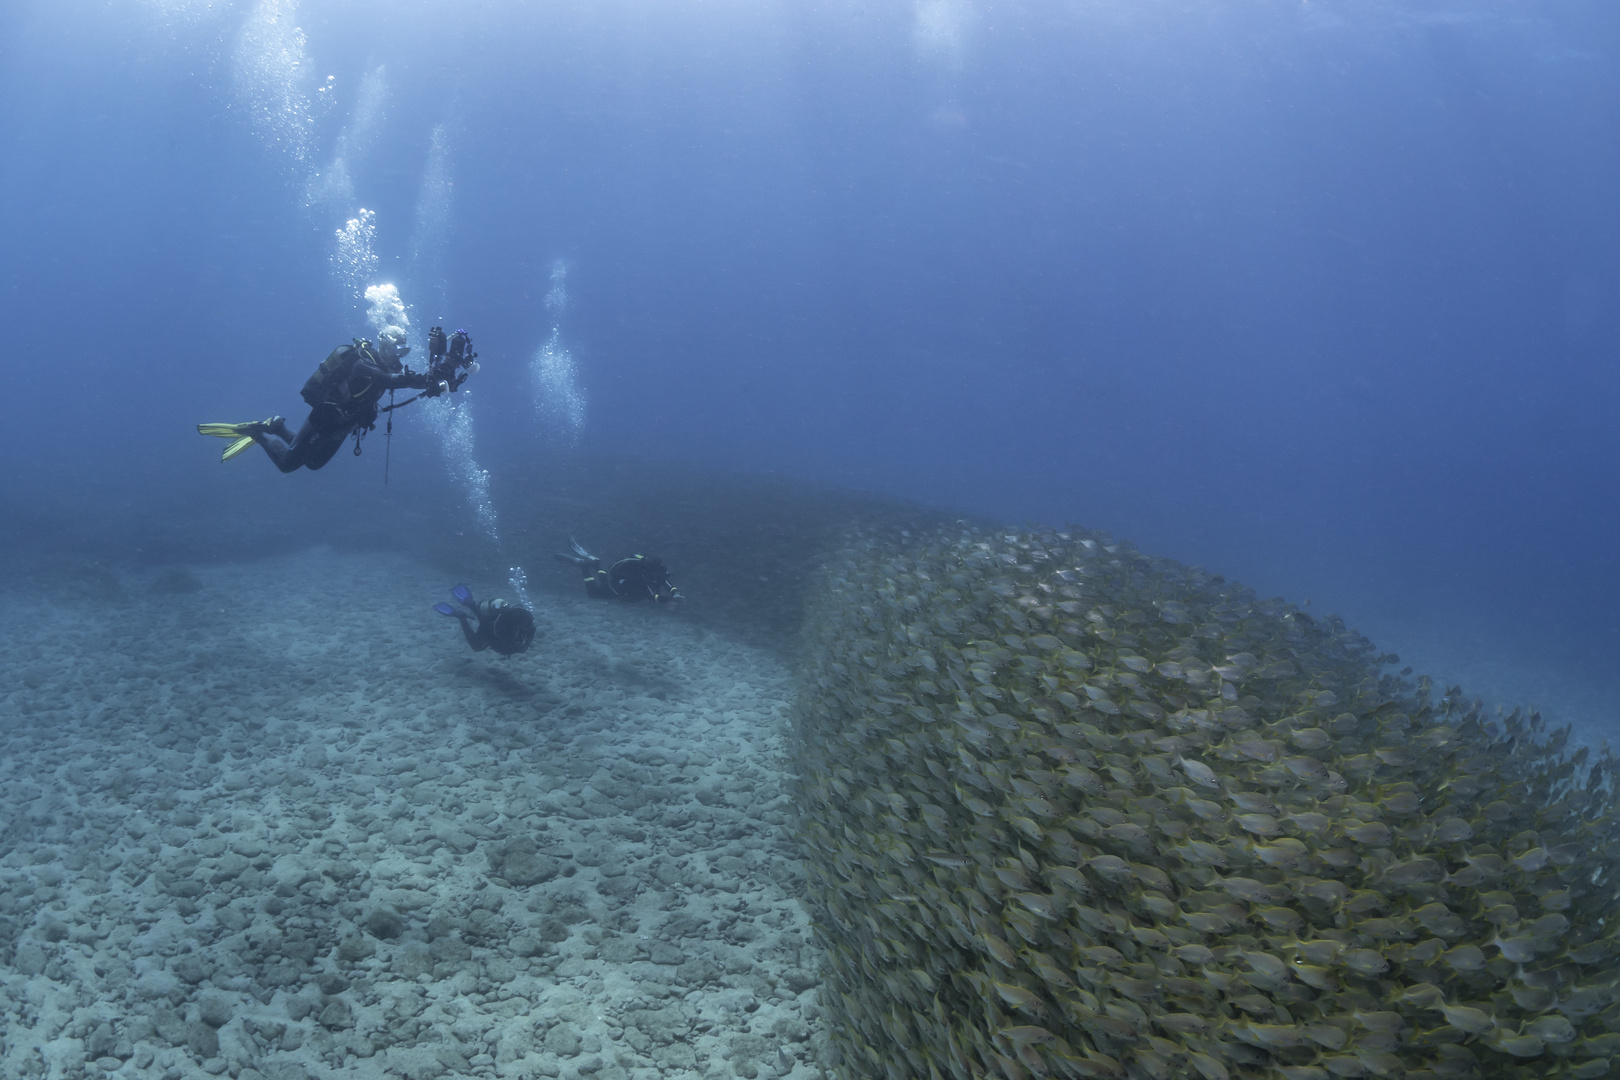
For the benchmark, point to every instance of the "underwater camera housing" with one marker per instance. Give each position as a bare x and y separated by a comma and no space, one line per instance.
450,360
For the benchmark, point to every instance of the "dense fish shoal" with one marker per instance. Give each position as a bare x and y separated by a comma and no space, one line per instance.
1071,810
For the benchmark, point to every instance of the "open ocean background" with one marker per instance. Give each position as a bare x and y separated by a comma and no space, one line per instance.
1319,295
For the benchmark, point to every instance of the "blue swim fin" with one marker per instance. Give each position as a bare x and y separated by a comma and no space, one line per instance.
464,594
445,609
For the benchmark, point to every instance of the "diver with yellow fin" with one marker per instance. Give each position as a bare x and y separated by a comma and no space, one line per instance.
344,396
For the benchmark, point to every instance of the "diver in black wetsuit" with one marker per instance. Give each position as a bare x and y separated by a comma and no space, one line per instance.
343,395
502,626
640,577
346,403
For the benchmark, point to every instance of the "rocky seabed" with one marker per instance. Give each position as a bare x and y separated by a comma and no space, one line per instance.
276,822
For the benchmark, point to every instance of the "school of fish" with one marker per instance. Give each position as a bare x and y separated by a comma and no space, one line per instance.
1068,810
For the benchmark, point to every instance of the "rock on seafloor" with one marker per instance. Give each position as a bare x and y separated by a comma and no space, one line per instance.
280,824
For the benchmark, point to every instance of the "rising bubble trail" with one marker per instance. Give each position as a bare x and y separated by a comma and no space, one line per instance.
451,420
270,71
450,416
520,586
354,253
558,400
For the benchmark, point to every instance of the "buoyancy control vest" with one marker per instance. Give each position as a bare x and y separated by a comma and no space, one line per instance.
329,393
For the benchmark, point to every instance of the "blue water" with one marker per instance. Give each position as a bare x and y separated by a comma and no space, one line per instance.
1319,294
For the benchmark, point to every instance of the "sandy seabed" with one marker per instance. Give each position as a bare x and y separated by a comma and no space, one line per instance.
275,820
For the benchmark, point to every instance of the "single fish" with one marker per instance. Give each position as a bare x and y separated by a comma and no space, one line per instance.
1283,919
1464,958
1453,831
1182,1023
1020,998
1206,922
1012,876
1258,749
1421,995
1319,978
1269,1034
1202,852
1532,998
1199,773
1110,866
1069,878
1306,768
1310,822
1532,861
1048,969
1267,965
1253,802
1311,739
1259,824
1302,1072
999,949
1521,1046
1384,1022
1127,833
1365,961
1027,1035
1245,888
1386,929
1320,950
1380,1062
1040,904
1402,803
1326,890
1372,834
1281,854
1551,1029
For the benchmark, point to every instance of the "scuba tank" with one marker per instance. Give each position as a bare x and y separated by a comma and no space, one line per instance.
330,383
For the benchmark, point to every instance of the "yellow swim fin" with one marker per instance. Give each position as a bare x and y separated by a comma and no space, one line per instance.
236,448
242,434
236,431
221,431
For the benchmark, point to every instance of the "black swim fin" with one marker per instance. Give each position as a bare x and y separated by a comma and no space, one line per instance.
580,556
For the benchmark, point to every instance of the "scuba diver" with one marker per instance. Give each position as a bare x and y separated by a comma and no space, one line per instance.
639,577
344,393
502,625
